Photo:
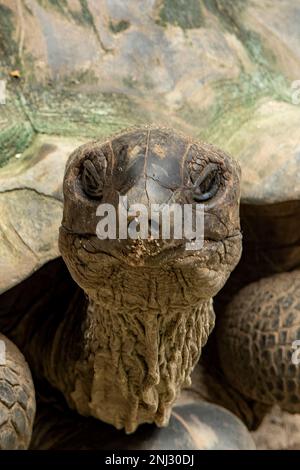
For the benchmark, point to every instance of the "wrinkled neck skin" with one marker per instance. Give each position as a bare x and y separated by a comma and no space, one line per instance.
141,337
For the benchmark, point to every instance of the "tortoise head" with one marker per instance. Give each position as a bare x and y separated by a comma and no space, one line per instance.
150,309
150,168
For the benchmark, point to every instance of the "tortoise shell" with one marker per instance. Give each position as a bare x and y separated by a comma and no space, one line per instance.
192,426
70,91
226,81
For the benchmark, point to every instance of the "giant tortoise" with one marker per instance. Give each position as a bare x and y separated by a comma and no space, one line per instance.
135,67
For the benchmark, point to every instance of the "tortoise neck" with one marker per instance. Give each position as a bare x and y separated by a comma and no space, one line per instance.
134,361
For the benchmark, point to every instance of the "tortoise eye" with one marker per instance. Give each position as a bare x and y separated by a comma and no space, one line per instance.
207,184
93,174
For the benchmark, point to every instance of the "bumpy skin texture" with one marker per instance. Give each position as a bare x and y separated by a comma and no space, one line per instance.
256,336
17,399
150,301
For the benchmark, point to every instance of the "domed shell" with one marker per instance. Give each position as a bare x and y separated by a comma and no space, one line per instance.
194,426
135,66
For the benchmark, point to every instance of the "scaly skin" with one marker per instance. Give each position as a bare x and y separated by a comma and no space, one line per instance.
150,301
256,336
17,399
140,346
124,355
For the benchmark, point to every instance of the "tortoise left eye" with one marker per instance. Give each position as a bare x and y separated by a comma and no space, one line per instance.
207,184
94,174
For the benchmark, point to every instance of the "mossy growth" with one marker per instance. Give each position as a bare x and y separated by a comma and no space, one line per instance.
186,14
16,131
230,15
69,110
59,5
236,101
118,27
8,46
14,139
85,16
82,16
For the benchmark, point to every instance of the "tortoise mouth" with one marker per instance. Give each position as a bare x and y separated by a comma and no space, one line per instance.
154,253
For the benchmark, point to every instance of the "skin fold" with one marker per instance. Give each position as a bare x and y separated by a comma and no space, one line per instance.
149,310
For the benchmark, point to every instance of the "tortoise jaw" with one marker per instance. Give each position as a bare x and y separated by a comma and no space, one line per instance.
152,253
158,253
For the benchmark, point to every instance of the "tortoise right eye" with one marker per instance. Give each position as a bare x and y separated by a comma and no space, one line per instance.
94,174
207,184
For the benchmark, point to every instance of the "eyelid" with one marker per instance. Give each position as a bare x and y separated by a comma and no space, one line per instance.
207,170
93,174
90,167
214,183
